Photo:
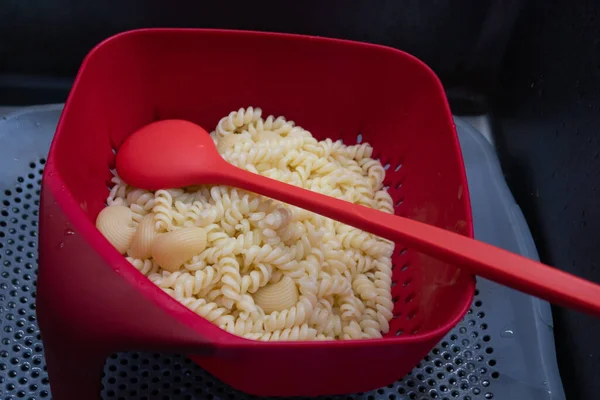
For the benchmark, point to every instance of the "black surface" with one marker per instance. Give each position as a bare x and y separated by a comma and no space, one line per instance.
549,142
462,40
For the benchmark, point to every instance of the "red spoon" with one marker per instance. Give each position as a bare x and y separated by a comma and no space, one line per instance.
177,153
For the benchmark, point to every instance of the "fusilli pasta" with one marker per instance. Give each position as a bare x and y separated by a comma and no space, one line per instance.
256,267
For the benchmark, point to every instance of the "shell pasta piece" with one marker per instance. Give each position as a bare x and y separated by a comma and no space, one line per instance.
172,249
256,267
277,297
116,224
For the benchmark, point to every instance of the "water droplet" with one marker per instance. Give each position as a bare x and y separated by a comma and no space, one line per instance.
61,245
69,232
485,383
507,332
489,396
476,391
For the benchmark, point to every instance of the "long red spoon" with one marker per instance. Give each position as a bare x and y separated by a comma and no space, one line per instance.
176,153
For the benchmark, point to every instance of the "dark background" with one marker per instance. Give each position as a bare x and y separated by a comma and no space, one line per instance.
533,65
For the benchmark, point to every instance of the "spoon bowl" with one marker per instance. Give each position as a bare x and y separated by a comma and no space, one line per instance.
170,154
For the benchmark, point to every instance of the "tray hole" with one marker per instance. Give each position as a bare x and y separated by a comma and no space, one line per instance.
398,166
495,374
399,332
359,138
407,282
409,298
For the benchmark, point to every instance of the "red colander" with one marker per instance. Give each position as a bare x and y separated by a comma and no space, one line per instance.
91,302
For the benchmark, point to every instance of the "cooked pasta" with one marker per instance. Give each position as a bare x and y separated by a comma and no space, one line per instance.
257,267
280,296
116,224
141,246
170,250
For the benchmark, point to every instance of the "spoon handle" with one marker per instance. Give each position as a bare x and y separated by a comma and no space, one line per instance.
480,258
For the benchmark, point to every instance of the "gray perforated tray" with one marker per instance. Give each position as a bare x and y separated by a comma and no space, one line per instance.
503,349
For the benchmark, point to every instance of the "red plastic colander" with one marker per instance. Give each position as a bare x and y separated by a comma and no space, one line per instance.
91,302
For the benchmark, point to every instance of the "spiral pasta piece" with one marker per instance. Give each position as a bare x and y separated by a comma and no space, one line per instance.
231,280
302,332
210,311
236,120
257,278
141,245
146,267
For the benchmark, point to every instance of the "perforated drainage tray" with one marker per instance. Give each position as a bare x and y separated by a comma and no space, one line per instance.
484,357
